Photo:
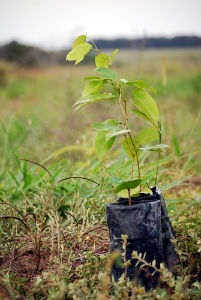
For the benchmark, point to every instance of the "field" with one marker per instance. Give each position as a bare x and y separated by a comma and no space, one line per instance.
70,259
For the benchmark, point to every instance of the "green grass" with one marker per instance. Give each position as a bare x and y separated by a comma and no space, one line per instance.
37,122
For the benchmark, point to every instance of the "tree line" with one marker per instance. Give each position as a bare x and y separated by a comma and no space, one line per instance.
35,57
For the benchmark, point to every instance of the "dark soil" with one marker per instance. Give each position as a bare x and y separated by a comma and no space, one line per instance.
24,262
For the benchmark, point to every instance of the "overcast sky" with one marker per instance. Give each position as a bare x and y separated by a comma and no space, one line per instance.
55,23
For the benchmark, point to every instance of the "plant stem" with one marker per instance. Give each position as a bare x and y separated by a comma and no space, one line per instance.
137,159
159,154
132,141
129,197
131,155
78,177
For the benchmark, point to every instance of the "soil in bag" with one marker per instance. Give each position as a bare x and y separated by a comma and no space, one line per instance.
146,225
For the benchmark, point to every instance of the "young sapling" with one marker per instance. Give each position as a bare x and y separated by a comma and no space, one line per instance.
143,105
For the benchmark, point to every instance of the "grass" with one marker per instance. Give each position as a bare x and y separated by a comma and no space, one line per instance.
38,123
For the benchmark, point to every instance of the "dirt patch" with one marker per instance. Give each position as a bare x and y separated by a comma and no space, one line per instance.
24,262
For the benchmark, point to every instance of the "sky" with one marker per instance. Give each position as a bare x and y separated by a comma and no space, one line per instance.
53,24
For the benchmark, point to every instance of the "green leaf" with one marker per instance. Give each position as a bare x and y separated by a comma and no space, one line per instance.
127,185
141,84
85,100
92,77
81,39
102,61
78,53
93,87
155,147
109,125
128,147
102,145
145,103
141,115
111,122
107,145
115,133
106,73
113,55
147,135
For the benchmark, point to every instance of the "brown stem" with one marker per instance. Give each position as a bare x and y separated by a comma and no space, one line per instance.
25,225
160,141
137,159
35,163
76,221
30,214
76,177
10,217
131,155
129,197
126,127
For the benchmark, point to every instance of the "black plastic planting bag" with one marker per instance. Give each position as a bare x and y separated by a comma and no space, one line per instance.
149,231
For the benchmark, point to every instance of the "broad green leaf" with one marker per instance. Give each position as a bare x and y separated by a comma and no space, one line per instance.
106,73
78,53
113,55
109,125
93,87
147,135
102,61
145,103
141,115
115,133
129,147
102,144
111,122
141,84
92,77
85,100
127,185
99,141
155,147
81,39
107,145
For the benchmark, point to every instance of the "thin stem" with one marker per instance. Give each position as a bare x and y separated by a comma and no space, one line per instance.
159,154
124,111
132,141
129,197
78,177
15,218
35,163
96,49
132,156
137,159
25,225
